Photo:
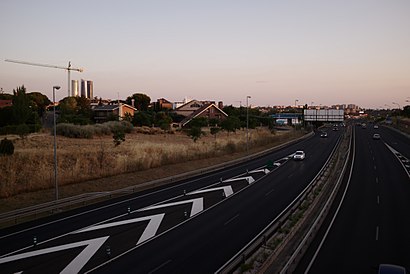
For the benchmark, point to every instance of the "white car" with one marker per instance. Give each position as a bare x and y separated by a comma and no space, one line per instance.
299,155
376,136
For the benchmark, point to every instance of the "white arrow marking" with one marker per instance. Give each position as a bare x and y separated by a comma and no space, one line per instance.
75,265
249,179
150,230
197,205
227,190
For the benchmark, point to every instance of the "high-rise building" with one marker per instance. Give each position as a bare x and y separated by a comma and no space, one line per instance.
83,88
87,89
90,91
74,88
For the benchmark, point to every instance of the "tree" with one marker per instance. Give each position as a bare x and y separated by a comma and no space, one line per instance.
142,118
162,120
118,137
6,147
231,124
21,105
214,131
6,116
141,101
406,111
39,102
195,133
75,110
199,122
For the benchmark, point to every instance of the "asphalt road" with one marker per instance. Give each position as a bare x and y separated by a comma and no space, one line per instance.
192,226
373,223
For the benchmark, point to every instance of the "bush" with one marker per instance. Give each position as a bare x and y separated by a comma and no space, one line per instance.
6,147
22,130
89,131
118,137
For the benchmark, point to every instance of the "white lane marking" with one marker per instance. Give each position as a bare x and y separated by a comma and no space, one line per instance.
378,199
264,170
377,180
150,230
377,233
197,205
269,192
249,179
231,219
374,167
160,266
228,191
75,265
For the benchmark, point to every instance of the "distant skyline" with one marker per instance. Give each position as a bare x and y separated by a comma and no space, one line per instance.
320,51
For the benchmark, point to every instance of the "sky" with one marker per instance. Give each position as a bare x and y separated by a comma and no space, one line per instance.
278,52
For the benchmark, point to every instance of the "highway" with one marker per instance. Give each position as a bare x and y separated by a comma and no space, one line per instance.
373,222
191,226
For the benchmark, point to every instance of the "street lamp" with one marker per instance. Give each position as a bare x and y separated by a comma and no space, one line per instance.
247,123
55,142
297,100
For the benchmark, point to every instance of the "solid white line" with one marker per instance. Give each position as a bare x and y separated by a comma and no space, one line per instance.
377,233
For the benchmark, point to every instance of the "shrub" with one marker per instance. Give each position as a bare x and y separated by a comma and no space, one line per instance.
22,130
119,137
89,131
6,147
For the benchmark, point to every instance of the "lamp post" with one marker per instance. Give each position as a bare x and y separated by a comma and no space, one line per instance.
247,123
297,100
55,143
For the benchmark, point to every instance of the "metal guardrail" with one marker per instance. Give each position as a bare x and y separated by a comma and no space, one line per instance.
50,208
261,239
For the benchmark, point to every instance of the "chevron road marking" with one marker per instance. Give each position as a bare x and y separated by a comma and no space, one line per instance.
197,205
149,232
75,265
227,190
264,170
249,179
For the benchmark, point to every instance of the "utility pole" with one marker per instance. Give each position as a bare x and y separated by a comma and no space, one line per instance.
247,124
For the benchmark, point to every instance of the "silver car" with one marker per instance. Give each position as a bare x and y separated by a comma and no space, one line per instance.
299,155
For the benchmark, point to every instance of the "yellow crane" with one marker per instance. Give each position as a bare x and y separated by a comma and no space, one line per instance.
68,68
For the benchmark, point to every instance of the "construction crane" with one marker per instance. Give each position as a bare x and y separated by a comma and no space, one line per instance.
68,68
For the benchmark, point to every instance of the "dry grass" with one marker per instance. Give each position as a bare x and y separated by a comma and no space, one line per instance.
87,165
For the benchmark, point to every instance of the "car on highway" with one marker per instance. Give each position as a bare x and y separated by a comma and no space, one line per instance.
376,136
299,155
375,126
391,269
323,134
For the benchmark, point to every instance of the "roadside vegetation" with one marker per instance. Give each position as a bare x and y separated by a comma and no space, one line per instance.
88,151
31,167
